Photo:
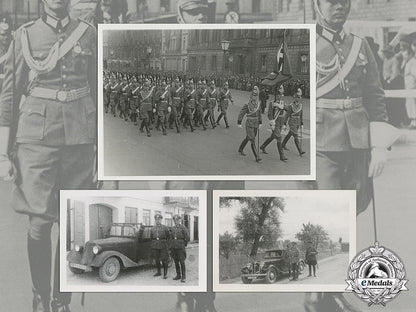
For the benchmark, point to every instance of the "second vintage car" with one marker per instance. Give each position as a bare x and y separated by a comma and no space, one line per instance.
127,245
274,264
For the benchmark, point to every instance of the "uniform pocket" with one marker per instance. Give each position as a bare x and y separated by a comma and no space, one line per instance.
32,120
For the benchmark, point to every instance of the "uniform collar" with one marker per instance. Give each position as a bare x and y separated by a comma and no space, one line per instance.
57,24
330,34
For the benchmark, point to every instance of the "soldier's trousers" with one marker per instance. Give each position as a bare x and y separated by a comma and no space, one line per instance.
210,116
223,114
295,270
251,134
161,256
161,121
174,118
106,102
187,112
295,138
179,256
199,116
41,172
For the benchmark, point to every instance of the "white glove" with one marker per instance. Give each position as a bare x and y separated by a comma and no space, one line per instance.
6,168
169,109
260,125
154,110
240,126
378,159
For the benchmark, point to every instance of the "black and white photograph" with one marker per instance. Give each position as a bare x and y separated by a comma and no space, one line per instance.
133,241
278,241
206,102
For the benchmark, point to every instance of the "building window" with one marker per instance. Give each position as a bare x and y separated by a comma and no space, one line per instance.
304,64
263,62
146,216
203,62
130,215
168,219
255,6
214,63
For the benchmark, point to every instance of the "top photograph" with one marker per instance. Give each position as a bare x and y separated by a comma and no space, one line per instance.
205,102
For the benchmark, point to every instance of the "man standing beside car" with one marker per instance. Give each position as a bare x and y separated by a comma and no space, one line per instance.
311,258
294,255
160,236
180,238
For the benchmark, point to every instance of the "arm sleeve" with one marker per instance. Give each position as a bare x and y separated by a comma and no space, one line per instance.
241,114
186,234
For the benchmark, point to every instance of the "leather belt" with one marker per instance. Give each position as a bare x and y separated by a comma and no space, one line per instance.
339,103
59,95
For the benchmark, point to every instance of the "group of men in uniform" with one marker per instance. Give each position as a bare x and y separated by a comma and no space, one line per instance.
166,103
174,239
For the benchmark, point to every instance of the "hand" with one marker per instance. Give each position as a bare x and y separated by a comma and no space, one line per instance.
284,128
169,109
154,110
240,126
6,168
378,159
260,125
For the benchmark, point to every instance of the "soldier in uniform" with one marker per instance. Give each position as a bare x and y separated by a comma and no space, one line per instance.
352,134
275,113
124,99
202,99
145,108
294,118
114,96
107,93
189,99
253,111
180,238
310,257
176,95
134,103
224,97
192,11
50,71
212,102
160,236
162,101
294,256
5,38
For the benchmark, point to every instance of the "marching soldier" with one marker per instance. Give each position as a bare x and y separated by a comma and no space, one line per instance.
253,121
107,93
50,71
134,104
202,99
180,238
294,256
177,97
352,134
225,98
160,236
189,100
124,99
114,96
275,113
162,106
294,118
212,102
146,106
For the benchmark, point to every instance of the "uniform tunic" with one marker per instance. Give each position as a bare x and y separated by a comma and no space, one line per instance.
159,234
179,240
277,114
253,119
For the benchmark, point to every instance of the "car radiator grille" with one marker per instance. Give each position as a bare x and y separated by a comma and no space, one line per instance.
88,255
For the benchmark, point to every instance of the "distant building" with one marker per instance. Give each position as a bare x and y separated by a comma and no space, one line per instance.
174,50
91,218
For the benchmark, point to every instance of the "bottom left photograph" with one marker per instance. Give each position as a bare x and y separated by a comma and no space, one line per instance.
133,241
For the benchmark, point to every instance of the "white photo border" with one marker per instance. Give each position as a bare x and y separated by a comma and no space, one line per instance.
312,107
107,287
349,195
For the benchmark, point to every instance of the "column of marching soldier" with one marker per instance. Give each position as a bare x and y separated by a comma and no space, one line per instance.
165,103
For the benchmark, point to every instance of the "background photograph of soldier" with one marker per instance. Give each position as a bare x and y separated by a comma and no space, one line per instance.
278,240
132,241
167,93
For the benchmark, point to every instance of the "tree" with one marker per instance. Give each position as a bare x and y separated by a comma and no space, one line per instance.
228,244
313,232
257,223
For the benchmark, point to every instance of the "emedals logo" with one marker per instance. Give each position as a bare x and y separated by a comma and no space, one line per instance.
376,275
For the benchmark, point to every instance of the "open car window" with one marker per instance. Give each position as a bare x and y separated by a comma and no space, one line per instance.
116,230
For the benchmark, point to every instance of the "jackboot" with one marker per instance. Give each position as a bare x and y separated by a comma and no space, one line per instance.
183,269
39,303
58,306
158,272
226,122
264,145
242,146
254,149
219,118
285,140
165,270
178,271
280,150
298,146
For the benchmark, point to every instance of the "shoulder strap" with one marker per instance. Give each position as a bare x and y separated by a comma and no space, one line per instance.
74,37
344,71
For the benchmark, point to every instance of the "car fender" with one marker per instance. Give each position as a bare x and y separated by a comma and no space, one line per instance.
74,257
103,256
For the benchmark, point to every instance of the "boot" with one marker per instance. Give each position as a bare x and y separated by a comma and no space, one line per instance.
218,119
226,122
58,306
147,130
158,273
39,254
61,300
242,146
254,149
287,137
165,270
178,271
183,269
177,126
298,146
280,150
264,145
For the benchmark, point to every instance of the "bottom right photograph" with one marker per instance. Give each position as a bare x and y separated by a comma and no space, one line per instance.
283,241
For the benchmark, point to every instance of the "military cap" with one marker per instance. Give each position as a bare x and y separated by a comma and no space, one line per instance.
4,28
158,216
177,217
188,5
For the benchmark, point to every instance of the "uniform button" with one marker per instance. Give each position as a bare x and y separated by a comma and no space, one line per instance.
346,81
63,67
340,49
61,40
348,97
63,76
64,85
348,89
59,30
337,42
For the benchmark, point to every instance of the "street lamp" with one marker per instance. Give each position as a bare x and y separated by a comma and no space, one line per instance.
225,44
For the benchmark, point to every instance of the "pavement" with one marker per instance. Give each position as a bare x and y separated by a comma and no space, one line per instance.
127,152
141,276
330,270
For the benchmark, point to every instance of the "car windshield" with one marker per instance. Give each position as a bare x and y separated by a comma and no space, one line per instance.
274,253
119,230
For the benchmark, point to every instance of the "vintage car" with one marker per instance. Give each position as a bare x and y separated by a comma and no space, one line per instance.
274,264
127,245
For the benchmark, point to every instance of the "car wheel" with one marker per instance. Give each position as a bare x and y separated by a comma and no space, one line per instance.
75,270
301,266
246,280
110,269
271,276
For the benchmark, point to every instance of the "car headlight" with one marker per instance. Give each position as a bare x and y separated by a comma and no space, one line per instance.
78,248
96,249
